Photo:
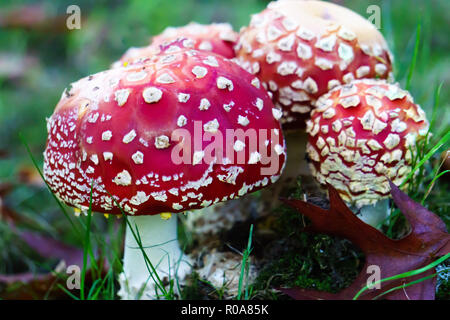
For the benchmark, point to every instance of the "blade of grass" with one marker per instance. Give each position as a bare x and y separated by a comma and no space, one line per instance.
67,292
427,156
412,65
244,265
405,285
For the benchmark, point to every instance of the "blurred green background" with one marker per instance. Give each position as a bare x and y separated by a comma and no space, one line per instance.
39,57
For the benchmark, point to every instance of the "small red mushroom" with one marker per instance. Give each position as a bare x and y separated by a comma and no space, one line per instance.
302,49
362,134
217,37
182,130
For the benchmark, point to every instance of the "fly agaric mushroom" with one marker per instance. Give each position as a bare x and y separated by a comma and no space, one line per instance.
217,37
302,49
142,134
360,135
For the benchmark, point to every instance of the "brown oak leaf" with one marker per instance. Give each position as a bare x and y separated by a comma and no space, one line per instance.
427,240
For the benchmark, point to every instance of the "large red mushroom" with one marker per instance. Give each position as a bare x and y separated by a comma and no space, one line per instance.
180,131
362,134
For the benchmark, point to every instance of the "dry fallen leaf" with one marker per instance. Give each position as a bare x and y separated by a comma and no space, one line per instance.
427,240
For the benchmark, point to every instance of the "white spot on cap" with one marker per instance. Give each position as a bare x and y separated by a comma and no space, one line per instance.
310,85
277,113
287,68
323,64
351,101
199,72
138,157
346,34
139,198
121,96
285,44
94,159
255,157
123,178
136,76
256,83
181,121
259,103
392,141
211,61
327,43
165,78
107,135
183,97
224,83
362,71
152,94
243,120
211,126
305,34
177,206
204,104
129,136
162,142
228,106
279,149
205,45
107,155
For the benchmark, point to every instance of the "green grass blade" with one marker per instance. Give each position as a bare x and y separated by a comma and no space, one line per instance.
405,285
405,274
427,156
244,265
413,62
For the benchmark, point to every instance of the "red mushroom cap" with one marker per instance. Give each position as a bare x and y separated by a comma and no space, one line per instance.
217,37
362,133
127,130
302,49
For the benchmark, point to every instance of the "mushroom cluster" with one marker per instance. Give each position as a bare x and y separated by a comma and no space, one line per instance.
195,119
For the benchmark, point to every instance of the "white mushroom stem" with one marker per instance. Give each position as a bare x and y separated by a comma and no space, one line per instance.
159,242
375,214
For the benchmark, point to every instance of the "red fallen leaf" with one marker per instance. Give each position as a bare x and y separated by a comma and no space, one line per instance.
427,240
